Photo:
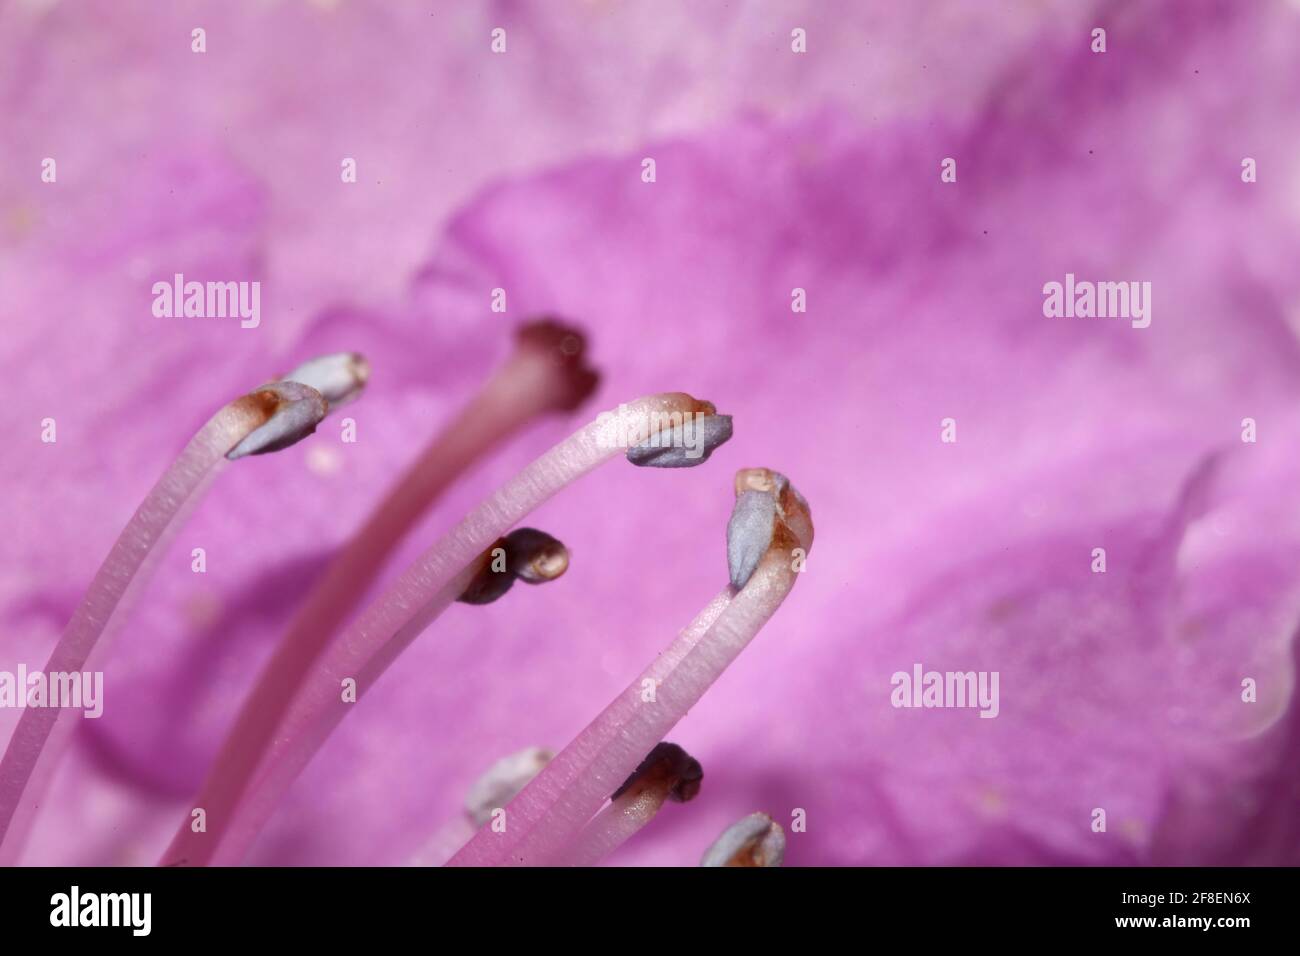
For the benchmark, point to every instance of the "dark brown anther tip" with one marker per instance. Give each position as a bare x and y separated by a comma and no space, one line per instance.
668,767
526,554
565,347
535,557
489,583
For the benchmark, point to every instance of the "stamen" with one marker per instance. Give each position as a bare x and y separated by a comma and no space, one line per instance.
273,416
755,840
280,730
685,445
667,773
340,377
546,373
548,814
293,412
532,556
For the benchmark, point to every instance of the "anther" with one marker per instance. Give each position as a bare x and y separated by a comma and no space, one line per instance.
755,840
668,769
766,507
532,556
292,410
535,557
749,534
685,445
564,351
339,377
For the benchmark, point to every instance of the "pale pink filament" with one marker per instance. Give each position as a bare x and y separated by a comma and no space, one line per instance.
531,383
551,811
43,733
613,826
276,755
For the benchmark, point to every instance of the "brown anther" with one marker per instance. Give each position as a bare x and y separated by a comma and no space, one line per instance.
564,347
532,556
668,769
794,518
493,578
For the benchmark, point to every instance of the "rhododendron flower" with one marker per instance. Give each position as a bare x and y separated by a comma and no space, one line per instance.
847,253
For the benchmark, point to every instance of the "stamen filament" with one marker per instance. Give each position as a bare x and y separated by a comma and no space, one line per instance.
44,733
613,826
266,751
549,812
545,373
565,768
